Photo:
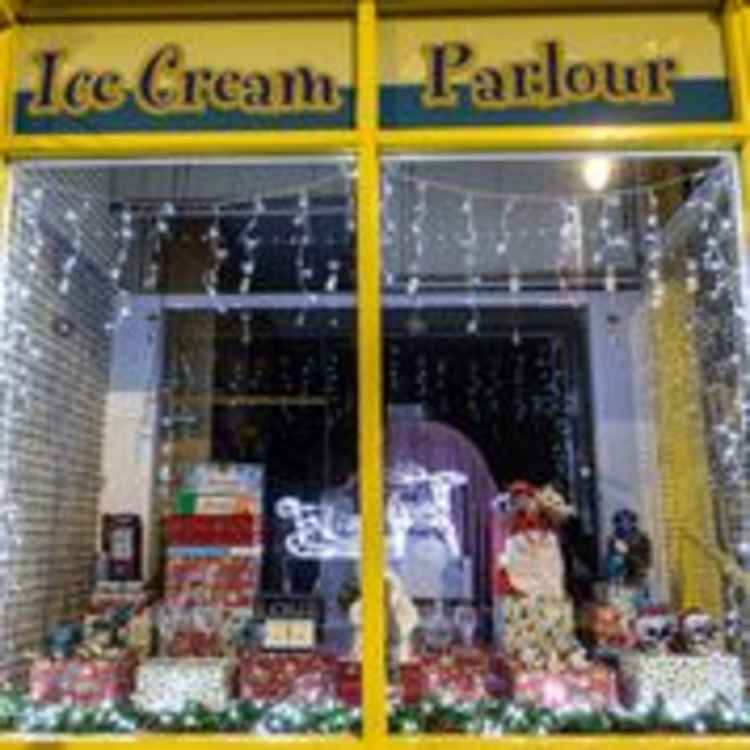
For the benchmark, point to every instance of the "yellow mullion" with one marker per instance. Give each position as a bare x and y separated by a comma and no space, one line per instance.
7,55
374,719
685,136
736,59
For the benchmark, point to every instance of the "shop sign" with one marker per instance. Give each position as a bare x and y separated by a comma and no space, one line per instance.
517,70
166,84
454,71
211,76
546,80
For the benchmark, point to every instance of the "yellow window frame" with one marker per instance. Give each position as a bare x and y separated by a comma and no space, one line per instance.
369,142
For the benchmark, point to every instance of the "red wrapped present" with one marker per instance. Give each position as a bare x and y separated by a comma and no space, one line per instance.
591,688
413,683
199,632
459,672
86,682
349,682
213,531
272,676
230,581
192,643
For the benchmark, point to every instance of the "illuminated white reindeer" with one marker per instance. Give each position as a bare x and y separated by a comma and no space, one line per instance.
421,501
418,501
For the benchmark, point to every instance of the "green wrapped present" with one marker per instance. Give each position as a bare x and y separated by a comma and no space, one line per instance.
185,502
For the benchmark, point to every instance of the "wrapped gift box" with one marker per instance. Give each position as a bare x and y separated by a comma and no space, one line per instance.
201,631
227,479
459,672
622,598
81,681
349,682
269,677
538,632
213,531
684,682
535,617
228,580
593,687
189,502
194,643
213,489
412,682
170,684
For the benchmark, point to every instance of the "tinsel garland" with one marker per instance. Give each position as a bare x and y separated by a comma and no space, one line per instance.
497,717
18,714
687,503
431,715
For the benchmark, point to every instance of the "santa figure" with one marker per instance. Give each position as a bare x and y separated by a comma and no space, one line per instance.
531,563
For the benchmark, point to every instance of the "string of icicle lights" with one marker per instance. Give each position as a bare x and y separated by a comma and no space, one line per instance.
157,219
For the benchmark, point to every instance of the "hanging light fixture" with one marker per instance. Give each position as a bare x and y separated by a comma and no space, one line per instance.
596,172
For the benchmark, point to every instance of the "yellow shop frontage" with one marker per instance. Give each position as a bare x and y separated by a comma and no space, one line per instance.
374,372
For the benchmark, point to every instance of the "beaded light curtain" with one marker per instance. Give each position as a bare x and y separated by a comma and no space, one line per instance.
693,578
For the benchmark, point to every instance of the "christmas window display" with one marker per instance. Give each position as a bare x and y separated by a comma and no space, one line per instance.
565,443
564,462
181,365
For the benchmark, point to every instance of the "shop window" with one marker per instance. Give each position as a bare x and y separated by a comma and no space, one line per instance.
178,440
565,386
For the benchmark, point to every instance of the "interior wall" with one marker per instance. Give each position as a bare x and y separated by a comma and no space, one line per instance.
131,433
56,364
623,419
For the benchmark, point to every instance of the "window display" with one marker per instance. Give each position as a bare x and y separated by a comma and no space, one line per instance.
564,462
564,354
180,410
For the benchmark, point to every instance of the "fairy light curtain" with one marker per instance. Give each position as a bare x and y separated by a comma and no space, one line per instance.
54,369
607,242
76,262
597,242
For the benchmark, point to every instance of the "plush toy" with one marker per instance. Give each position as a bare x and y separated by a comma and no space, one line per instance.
62,641
605,627
629,555
655,630
698,634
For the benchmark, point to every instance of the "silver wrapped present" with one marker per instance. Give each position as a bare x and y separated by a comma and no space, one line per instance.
170,684
685,683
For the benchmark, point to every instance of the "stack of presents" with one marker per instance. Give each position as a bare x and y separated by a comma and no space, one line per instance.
208,636
617,650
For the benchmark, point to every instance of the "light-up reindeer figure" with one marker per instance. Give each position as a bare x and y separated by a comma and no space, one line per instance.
421,501
418,501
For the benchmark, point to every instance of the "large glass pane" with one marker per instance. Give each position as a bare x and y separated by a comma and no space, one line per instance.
566,463
179,448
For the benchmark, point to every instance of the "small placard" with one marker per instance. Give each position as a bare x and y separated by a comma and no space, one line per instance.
291,622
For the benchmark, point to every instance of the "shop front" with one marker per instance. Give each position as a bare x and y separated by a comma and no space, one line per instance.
376,373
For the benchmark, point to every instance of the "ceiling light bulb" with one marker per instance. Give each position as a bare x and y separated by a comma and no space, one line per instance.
596,172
